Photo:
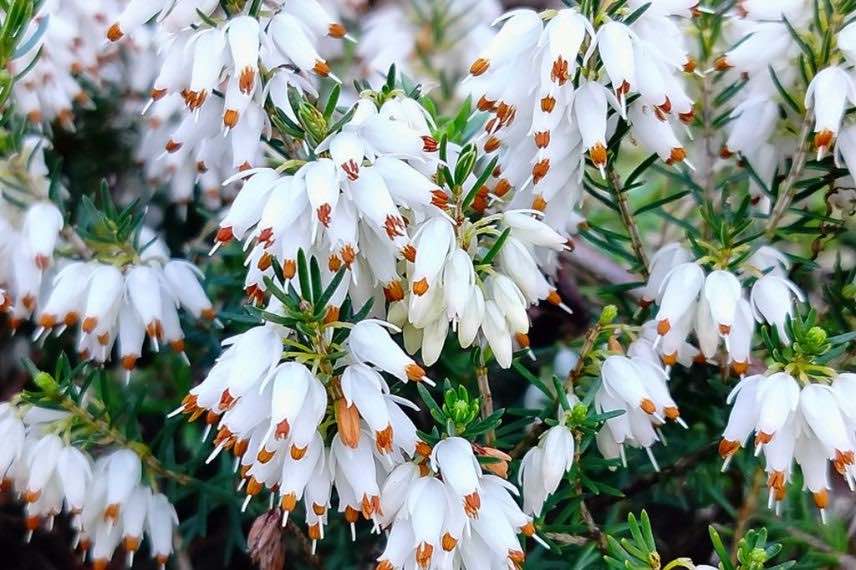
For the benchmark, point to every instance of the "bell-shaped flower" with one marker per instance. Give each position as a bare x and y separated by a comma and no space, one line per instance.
426,506
662,262
290,38
124,470
42,224
722,291
615,45
134,520
453,458
622,380
828,96
290,386
655,135
243,34
434,240
370,342
819,406
74,469
772,301
161,522
778,396
677,293
363,388
520,32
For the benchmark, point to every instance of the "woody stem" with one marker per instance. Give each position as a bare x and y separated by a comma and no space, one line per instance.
110,435
788,189
627,218
486,400
588,345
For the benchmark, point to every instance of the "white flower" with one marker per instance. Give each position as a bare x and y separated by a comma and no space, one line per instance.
722,291
655,135
743,417
453,458
519,32
622,380
161,522
847,42
772,301
678,292
615,45
370,342
827,96
752,123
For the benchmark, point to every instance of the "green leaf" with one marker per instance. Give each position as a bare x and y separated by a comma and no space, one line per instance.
433,408
789,99
806,49
321,301
643,166
332,99
303,276
656,204
497,245
482,179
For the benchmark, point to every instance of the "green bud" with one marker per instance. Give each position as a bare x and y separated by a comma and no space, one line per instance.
46,382
757,557
579,413
815,338
460,412
312,120
607,315
465,165
849,291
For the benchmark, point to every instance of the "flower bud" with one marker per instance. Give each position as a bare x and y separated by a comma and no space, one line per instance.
46,382
607,315
312,120
466,162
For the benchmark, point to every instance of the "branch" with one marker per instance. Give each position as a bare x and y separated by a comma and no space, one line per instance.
788,189
112,435
683,465
486,401
627,218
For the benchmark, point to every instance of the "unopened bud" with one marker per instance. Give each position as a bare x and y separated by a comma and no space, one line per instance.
579,413
815,338
46,382
607,315
465,165
312,120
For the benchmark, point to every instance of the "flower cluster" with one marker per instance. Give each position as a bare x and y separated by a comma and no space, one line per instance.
442,511
208,98
64,47
30,226
346,206
544,465
556,111
765,47
276,412
453,284
107,501
809,422
637,386
125,295
716,305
